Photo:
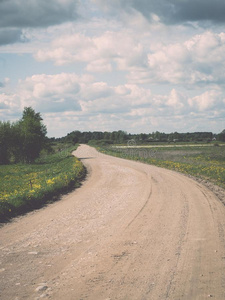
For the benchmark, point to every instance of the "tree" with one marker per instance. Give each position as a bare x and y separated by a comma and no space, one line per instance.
221,136
16,150
22,140
32,134
73,137
5,142
143,137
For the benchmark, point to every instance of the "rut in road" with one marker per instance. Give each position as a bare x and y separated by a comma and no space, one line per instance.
132,231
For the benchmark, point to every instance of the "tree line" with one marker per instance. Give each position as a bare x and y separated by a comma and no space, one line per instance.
118,137
22,141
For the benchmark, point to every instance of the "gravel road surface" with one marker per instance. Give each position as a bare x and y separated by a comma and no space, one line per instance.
131,232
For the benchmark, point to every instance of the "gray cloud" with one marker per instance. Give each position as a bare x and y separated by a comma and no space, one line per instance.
10,36
1,84
36,13
198,10
174,11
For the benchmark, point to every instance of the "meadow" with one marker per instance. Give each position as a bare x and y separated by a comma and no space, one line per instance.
206,161
24,187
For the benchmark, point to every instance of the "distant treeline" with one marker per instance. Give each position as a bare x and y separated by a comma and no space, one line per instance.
120,136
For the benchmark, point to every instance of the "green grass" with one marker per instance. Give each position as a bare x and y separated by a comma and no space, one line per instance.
24,187
202,161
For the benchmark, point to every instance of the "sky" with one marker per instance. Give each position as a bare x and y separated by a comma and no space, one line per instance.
97,65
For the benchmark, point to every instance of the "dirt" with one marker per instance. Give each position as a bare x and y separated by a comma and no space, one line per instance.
217,190
132,231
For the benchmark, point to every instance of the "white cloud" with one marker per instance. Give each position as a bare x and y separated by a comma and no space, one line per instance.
198,60
209,100
98,51
175,100
65,99
50,93
9,105
99,66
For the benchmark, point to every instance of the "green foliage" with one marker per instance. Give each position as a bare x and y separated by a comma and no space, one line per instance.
23,140
121,137
86,137
33,134
24,187
221,136
100,142
5,142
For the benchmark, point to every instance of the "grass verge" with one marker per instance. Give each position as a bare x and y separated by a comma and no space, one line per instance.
204,161
26,187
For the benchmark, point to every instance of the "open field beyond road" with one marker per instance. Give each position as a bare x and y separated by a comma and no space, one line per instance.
205,162
132,231
163,146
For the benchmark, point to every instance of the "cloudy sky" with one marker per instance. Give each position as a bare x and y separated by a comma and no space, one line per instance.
100,65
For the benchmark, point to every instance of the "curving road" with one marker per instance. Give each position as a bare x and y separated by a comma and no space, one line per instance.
132,231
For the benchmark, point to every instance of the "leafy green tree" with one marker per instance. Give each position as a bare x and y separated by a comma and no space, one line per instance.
5,142
32,134
17,143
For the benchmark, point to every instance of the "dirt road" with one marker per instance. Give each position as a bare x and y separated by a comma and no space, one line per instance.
132,231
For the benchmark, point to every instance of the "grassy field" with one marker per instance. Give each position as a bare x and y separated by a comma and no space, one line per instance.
24,187
204,161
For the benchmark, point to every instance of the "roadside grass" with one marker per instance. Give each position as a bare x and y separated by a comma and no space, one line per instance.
203,161
24,187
